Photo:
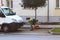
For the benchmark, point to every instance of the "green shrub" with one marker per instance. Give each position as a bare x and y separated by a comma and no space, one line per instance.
56,30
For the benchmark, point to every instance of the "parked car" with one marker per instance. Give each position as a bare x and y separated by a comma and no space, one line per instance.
9,21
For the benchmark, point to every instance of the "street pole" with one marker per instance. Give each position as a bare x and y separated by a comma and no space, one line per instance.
48,12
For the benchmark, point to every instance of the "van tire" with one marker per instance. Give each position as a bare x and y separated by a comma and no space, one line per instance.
5,28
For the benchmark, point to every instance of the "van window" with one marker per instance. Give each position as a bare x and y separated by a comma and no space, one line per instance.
1,14
8,11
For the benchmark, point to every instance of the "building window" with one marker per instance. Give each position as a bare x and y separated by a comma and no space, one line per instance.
57,3
9,3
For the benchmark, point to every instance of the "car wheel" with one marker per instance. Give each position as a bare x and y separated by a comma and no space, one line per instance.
5,28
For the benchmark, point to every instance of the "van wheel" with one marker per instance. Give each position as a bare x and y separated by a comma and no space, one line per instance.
5,28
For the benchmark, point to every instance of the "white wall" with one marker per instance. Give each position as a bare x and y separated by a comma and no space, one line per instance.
26,12
52,6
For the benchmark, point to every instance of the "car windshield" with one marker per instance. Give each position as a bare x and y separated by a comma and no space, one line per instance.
8,11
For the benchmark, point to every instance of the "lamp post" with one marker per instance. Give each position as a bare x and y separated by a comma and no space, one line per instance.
48,12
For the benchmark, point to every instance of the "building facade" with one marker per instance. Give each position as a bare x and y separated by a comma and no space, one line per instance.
54,10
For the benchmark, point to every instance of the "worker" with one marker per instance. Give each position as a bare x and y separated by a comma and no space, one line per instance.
32,23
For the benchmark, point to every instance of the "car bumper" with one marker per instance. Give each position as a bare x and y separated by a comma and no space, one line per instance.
17,25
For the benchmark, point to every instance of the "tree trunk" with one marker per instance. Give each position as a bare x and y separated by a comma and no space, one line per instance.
35,13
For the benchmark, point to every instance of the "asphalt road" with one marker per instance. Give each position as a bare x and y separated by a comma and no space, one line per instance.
26,34
28,37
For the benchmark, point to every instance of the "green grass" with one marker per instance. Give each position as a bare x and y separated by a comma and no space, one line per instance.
56,30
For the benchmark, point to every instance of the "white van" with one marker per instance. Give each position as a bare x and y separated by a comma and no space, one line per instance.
8,20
